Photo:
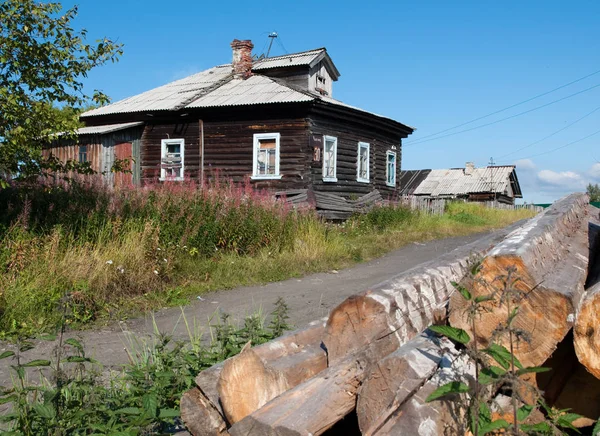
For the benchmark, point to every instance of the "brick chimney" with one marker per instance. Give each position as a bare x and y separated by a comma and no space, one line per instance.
469,168
242,58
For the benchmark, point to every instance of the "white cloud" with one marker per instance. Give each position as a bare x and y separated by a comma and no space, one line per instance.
594,171
567,180
525,164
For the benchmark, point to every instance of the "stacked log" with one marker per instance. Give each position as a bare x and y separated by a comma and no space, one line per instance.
374,355
298,355
548,257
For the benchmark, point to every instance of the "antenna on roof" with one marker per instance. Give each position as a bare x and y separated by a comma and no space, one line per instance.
272,35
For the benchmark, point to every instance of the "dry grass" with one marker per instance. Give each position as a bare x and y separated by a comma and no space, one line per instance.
124,267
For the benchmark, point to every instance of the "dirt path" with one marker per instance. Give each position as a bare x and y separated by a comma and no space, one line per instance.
308,298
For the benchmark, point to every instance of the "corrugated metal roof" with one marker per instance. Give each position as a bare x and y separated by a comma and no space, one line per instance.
216,87
254,90
99,130
341,103
290,60
452,182
171,96
411,179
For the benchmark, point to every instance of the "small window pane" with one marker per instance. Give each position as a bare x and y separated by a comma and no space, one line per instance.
391,169
329,159
266,157
83,153
174,148
363,162
265,144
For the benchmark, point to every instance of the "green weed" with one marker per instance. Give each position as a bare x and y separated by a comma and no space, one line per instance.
74,396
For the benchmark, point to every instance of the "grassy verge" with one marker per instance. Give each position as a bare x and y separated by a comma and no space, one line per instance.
108,254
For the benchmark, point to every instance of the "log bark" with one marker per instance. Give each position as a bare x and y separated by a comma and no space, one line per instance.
398,309
586,332
548,256
298,354
314,406
247,383
396,378
441,417
200,415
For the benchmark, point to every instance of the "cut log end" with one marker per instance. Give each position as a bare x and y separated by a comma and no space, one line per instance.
200,416
351,326
542,312
587,332
246,384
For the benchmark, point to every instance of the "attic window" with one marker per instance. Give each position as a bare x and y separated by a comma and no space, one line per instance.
266,156
320,86
172,159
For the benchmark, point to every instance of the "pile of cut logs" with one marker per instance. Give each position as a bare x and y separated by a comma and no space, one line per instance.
369,366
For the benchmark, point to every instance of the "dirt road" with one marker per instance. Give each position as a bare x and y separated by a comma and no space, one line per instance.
308,298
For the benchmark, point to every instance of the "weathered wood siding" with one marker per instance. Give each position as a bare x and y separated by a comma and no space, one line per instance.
151,148
348,135
102,151
228,151
70,151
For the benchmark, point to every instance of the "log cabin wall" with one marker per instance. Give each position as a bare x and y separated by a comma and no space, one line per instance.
150,152
349,133
229,148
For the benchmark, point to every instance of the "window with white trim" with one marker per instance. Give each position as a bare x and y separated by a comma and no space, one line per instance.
329,159
390,168
362,167
266,156
172,159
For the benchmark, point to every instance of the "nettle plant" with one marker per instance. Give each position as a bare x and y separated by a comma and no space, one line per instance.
497,369
75,396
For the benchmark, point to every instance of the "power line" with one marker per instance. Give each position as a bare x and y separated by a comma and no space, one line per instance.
281,45
552,134
421,141
562,146
508,107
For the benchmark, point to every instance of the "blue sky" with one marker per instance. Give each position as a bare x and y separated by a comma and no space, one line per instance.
430,64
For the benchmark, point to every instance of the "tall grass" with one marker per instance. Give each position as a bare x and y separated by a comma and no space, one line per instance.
106,253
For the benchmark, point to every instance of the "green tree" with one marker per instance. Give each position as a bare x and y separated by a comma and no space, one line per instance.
594,192
43,62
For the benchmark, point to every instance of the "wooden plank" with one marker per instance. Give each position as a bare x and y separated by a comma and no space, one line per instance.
418,417
390,383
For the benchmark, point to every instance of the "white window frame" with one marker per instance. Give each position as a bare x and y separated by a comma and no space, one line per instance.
387,166
256,140
163,155
368,147
335,141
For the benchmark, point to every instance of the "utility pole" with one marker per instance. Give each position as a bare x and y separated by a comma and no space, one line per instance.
272,35
491,164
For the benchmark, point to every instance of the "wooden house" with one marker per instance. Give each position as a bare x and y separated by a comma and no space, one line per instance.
272,120
491,183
